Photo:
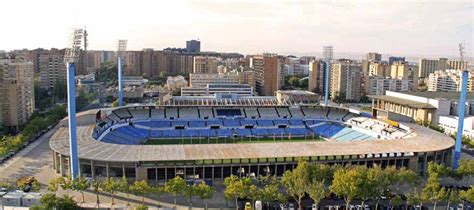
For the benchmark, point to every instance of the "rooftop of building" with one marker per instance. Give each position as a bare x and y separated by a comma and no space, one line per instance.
452,96
402,101
297,92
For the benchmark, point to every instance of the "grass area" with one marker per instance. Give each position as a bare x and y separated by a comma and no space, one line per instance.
229,140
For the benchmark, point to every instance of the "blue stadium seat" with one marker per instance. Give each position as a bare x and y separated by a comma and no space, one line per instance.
197,123
231,123
243,132
224,132
265,123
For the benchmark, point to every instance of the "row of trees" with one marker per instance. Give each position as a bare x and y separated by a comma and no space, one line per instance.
38,123
318,181
175,187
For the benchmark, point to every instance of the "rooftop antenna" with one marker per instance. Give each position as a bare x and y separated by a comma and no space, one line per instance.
462,109
70,58
121,49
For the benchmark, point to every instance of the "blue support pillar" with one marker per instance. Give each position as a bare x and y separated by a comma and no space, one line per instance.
326,83
120,88
462,110
71,106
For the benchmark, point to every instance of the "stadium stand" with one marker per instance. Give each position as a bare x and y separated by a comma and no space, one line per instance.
336,114
206,113
251,113
157,113
317,113
172,113
296,112
140,114
267,112
188,122
283,112
188,113
229,112
122,113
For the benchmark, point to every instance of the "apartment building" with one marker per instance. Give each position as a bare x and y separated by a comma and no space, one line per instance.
346,80
449,81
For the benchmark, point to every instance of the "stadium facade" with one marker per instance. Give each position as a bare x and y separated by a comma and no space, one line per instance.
157,143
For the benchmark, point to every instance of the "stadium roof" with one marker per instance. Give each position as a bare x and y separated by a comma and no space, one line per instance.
425,140
402,101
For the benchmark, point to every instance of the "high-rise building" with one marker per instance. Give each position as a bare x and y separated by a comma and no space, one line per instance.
328,53
267,69
429,66
249,77
316,79
17,92
205,65
379,69
193,46
373,56
52,68
149,63
346,80
449,81
404,71
459,65
393,59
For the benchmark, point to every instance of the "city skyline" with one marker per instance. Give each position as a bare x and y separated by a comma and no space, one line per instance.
280,27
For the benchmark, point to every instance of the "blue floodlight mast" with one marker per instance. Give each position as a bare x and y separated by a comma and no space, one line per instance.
326,83
122,48
70,59
462,110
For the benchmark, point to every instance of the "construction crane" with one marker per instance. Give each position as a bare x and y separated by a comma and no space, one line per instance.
121,49
462,109
70,59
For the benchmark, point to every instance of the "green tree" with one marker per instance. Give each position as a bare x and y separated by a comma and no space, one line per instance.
270,192
80,185
140,188
110,187
347,184
467,195
395,201
124,187
433,190
317,191
49,201
189,191
466,168
141,207
452,198
295,182
205,192
96,186
175,187
234,189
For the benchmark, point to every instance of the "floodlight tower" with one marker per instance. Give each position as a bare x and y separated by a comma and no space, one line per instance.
122,48
327,66
462,109
70,58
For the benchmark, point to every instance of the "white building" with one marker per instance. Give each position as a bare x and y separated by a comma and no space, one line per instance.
450,125
378,86
220,89
134,81
448,81
201,80
175,83
426,107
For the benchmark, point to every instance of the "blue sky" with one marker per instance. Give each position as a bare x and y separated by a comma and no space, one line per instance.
400,27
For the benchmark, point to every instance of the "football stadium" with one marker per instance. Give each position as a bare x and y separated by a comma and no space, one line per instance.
211,142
